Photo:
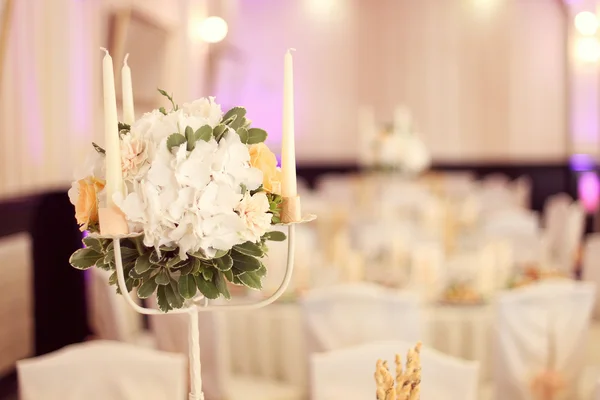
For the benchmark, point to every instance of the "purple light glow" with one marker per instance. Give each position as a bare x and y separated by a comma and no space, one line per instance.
589,191
582,162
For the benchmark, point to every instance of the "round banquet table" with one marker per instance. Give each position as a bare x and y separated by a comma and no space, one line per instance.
272,342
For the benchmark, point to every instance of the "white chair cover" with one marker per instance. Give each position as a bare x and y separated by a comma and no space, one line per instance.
109,315
572,237
353,314
537,326
591,266
556,211
102,370
348,373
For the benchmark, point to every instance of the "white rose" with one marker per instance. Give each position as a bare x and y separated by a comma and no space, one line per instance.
204,110
134,156
155,126
254,213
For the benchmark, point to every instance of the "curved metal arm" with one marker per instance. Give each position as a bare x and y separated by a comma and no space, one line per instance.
208,307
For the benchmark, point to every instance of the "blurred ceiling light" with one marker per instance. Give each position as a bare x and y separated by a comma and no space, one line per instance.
211,29
324,8
586,23
484,5
588,49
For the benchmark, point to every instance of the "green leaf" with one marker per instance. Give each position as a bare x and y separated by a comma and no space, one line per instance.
221,285
93,243
85,258
142,264
174,140
128,254
262,271
175,262
187,266
98,148
161,296
122,126
239,113
219,131
207,273
113,278
229,120
276,236
224,263
100,264
196,265
220,253
109,257
155,258
187,286
170,97
256,135
173,296
236,280
147,289
251,280
167,248
249,248
207,288
243,134
190,137
162,110
244,262
135,275
163,277
204,133
228,274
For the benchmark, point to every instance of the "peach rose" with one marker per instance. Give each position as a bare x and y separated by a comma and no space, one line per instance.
262,157
86,206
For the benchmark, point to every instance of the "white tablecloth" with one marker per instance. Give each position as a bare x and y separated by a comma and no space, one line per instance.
272,342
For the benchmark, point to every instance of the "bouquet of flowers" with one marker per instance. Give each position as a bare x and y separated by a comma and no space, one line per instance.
201,193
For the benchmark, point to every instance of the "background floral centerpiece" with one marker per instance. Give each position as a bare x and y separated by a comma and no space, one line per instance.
201,193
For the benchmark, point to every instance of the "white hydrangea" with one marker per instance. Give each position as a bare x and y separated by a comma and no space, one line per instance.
192,199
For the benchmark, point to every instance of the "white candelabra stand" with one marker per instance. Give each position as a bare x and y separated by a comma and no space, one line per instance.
201,304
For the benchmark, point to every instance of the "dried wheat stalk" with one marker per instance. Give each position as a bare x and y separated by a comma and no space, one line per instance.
407,383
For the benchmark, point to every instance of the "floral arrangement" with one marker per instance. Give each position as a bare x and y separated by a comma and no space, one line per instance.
407,385
401,149
201,193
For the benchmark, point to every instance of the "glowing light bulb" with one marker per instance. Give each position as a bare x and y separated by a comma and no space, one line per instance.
588,49
586,23
211,29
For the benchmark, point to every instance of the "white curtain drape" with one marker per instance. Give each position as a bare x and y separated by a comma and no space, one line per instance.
485,80
51,88
49,93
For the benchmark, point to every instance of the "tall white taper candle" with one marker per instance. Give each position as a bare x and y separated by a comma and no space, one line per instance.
288,151
114,174
127,87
